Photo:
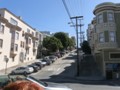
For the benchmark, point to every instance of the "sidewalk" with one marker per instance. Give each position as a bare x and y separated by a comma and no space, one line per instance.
2,72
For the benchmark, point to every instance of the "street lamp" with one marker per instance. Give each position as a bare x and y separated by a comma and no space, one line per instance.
6,60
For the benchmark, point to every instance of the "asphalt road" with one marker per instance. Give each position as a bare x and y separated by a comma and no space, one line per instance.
63,71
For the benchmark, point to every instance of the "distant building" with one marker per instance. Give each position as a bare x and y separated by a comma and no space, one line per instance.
104,38
18,40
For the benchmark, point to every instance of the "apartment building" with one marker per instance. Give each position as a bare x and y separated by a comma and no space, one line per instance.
105,38
18,40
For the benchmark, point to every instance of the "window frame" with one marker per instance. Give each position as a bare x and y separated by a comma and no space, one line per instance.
2,28
16,47
110,18
101,37
110,36
100,19
13,21
1,43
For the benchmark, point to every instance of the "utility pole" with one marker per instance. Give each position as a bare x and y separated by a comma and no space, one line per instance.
76,18
81,33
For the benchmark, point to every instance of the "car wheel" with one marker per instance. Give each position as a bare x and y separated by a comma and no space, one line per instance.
13,73
25,73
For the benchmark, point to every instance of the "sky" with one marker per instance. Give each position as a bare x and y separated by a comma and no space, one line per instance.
50,15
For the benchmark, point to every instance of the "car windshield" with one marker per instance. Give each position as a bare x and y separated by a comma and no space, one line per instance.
41,82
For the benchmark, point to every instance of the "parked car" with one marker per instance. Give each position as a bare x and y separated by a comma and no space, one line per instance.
48,62
62,53
21,70
4,80
31,69
42,62
35,67
57,54
38,64
53,58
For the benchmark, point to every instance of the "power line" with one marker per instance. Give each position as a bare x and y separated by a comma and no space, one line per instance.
67,10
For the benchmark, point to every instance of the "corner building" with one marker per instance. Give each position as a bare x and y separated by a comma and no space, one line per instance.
18,40
106,39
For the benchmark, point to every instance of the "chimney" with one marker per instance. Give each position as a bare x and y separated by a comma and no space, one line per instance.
20,17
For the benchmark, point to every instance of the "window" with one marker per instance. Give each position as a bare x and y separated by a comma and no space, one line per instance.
100,18
112,36
110,16
37,34
1,28
21,43
23,33
14,22
17,36
1,43
28,30
101,37
29,41
115,55
27,51
16,47
13,59
34,53
33,33
13,35
36,44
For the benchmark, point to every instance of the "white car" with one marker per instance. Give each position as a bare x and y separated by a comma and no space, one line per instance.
42,62
47,86
31,69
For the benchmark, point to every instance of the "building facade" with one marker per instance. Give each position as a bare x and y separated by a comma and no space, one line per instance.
18,40
105,38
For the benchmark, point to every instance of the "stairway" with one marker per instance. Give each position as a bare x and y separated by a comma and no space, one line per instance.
89,68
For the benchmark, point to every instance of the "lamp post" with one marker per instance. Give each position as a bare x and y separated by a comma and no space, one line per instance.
6,60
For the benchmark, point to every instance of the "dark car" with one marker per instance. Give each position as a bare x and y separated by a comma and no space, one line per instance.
39,64
48,62
62,53
57,54
35,67
52,58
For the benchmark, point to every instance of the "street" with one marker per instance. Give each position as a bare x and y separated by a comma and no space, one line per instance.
63,72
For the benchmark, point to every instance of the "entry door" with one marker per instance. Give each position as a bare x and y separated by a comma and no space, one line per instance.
109,74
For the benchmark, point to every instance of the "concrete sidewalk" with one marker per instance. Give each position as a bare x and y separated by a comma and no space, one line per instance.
2,72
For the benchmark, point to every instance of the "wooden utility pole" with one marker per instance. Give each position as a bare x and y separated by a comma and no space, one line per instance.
76,18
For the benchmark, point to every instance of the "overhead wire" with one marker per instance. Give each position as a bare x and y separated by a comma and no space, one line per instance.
67,10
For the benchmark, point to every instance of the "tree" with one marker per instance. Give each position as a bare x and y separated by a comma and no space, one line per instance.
63,38
85,47
52,44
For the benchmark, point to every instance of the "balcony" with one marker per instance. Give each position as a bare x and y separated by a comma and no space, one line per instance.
35,38
27,45
13,53
34,48
2,19
14,27
28,34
